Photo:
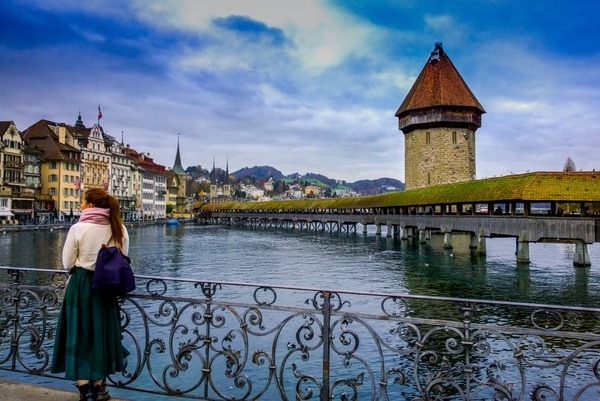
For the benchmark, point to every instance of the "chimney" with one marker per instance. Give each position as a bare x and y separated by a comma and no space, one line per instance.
62,134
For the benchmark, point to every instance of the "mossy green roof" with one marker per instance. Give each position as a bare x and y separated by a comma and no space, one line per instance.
531,187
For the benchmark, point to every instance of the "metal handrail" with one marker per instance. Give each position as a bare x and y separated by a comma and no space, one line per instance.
210,340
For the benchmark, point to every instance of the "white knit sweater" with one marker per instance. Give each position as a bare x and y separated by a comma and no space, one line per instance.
83,242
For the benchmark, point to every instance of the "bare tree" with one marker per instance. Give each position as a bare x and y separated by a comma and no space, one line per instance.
569,165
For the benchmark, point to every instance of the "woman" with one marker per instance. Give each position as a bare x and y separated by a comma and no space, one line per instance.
88,337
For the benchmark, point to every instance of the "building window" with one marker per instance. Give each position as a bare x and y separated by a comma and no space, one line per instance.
52,191
53,165
428,138
454,137
53,178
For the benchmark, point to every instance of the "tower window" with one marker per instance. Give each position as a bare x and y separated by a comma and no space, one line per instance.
428,138
454,137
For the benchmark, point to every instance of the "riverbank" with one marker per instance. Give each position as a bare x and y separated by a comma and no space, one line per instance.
65,226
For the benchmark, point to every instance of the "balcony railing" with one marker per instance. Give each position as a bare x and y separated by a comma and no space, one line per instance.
224,341
13,164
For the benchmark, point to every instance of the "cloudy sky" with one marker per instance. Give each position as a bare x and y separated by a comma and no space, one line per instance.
305,85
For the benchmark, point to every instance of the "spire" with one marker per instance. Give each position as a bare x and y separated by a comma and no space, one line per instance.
177,167
214,173
227,171
79,122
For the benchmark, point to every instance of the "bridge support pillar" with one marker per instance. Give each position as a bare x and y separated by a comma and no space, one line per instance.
389,230
404,232
378,230
397,230
474,241
581,257
422,236
447,240
523,249
364,228
481,245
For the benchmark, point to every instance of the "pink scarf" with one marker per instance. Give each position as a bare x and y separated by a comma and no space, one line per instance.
96,215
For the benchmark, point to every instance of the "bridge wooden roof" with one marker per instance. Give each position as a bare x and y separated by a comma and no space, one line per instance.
439,84
529,187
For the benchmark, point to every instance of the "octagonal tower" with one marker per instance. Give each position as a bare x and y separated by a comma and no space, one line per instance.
439,117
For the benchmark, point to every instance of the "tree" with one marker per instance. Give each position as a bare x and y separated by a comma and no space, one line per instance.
569,165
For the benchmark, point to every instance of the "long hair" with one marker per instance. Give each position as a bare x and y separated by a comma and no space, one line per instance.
100,198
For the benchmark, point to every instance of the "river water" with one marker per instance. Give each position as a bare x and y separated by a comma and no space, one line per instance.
361,262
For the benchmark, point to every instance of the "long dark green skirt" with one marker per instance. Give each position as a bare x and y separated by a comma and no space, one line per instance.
88,336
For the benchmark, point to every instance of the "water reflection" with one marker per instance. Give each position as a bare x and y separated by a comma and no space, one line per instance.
339,261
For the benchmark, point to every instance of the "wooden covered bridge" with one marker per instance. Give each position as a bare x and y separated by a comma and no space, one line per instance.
533,207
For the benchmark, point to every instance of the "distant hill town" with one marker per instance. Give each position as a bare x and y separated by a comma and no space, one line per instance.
269,180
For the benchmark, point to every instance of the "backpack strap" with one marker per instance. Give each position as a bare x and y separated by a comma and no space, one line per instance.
108,242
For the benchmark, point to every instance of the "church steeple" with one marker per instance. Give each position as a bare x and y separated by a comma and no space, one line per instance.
79,122
213,177
227,172
177,167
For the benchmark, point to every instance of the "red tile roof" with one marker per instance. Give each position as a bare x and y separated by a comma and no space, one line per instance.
439,84
42,135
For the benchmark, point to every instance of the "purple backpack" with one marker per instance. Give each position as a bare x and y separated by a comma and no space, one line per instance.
113,272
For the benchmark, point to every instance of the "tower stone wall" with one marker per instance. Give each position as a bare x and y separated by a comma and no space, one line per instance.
439,155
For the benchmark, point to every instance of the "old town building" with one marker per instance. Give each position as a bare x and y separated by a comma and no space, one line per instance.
53,163
60,166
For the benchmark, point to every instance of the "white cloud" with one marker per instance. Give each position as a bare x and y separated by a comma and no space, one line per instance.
322,36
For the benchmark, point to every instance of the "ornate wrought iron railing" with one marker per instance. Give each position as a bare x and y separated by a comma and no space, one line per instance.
224,341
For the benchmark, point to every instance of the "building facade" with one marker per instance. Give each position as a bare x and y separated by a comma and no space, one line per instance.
60,168
57,162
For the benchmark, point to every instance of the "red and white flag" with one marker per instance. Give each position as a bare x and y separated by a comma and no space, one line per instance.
99,113
77,183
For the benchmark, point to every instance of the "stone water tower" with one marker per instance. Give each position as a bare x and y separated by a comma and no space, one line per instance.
439,117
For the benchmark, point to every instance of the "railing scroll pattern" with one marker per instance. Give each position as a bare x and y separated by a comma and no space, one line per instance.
236,341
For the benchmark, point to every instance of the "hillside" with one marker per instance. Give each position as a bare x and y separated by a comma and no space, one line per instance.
365,187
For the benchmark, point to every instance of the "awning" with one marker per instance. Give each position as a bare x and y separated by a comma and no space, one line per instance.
5,214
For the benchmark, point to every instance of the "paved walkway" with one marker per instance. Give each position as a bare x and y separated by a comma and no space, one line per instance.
17,391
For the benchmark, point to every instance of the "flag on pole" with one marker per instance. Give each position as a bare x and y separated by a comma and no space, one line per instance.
77,183
99,113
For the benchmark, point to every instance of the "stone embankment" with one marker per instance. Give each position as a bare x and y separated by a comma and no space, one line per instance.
4,228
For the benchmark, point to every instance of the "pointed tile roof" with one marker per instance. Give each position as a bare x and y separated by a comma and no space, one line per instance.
4,126
439,84
177,167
